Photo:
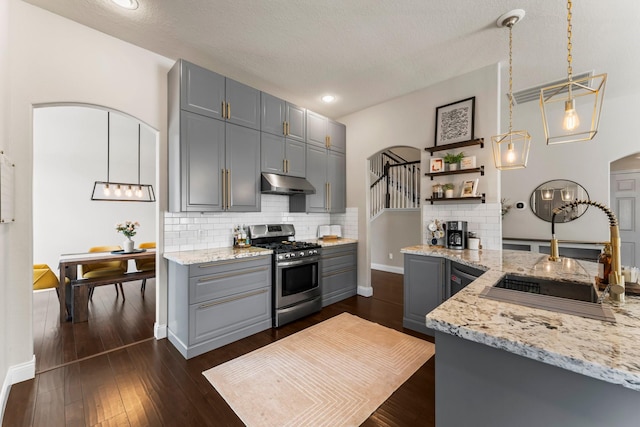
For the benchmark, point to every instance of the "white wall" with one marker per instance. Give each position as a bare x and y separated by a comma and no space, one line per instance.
409,120
52,59
5,230
391,231
69,155
586,163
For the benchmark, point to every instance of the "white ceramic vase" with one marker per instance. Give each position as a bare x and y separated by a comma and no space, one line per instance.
448,194
128,245
453,166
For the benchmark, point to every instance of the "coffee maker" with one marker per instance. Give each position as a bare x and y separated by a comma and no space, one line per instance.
455,235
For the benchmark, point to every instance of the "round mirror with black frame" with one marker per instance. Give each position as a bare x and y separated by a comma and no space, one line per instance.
552,194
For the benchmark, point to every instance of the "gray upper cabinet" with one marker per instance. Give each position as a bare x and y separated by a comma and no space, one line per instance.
203,160
282,118
212,95
243,104
213,164
283,155
202,91
326,171
336,173
316,129
243,164
337,136
327,133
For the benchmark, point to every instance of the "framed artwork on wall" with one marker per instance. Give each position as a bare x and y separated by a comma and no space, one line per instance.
455,122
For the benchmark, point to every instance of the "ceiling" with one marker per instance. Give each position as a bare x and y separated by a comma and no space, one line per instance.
369,51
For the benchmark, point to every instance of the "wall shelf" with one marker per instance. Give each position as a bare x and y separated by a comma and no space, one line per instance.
476,199
479,170
472,142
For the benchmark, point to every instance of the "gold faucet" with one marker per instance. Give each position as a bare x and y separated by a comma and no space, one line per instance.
616,280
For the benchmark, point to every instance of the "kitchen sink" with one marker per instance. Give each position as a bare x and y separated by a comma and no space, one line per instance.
552,295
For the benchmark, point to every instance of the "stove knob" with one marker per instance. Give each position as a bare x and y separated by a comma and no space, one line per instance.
301,253
291,255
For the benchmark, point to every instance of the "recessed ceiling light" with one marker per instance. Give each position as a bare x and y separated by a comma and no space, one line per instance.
328,98
127,4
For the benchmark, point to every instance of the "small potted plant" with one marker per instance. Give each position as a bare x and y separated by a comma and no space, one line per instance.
453,160
448,190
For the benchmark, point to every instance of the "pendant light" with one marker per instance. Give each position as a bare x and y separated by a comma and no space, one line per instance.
122,191
511,149
571,109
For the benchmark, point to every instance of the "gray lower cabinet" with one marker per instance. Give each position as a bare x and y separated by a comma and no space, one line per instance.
282,155
339,272
326,171
214,304
424,290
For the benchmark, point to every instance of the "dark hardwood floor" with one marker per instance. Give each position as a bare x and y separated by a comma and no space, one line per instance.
106,380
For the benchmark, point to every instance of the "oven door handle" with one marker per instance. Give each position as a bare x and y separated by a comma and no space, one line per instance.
295,262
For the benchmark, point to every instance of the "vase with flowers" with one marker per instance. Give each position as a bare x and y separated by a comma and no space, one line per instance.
128,228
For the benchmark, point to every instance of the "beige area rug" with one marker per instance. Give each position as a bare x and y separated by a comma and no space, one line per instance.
335,373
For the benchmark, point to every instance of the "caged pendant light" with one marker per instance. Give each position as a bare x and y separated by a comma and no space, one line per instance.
511,149
571,109
121,191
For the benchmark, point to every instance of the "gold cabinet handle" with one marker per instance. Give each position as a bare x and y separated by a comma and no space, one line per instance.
288,129
228,189
224,190
223,110
228,110
329,187
329,141
284,128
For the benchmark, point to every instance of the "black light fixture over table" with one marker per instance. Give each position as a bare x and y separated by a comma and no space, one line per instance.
122,191
511,149
571,109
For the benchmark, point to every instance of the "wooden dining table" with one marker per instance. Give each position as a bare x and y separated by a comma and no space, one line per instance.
74,295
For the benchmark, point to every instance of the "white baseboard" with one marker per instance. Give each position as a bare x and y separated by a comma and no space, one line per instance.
365,291
15,374
387,268
159,331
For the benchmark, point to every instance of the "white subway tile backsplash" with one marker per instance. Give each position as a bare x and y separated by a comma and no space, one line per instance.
196,230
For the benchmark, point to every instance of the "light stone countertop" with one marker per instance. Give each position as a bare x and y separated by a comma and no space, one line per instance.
598,349
332,242
198,256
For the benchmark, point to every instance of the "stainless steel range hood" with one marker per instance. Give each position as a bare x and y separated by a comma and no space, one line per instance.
283,184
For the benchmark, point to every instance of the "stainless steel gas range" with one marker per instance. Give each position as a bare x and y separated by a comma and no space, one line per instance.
297,290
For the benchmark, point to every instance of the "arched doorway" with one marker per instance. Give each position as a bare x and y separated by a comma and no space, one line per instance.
394,218
69,154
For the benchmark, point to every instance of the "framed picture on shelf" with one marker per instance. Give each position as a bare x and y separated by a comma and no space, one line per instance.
436,165
454,122
468,162
469,188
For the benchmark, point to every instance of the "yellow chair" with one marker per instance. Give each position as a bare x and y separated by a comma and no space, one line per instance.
104,269
44,278
146,264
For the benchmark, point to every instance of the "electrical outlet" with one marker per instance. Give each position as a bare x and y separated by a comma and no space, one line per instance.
390,255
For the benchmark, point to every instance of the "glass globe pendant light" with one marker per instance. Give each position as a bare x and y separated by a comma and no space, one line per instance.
571,109
511,149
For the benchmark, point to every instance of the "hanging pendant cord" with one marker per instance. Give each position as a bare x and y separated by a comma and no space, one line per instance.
108,142
569,45
510,77
138,154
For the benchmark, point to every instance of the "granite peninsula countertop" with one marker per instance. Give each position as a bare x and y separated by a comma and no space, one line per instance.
598,349
198,256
